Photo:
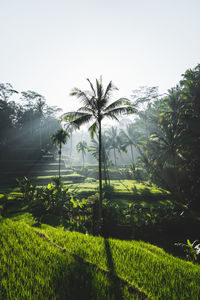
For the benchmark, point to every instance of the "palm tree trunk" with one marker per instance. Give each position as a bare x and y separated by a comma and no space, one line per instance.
100,180
105,174
132,154
83,159
115,157
71,150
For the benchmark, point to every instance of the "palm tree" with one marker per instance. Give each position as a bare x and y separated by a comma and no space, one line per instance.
96,107
59,138
131,137
115,142
94,149
68,126
82,147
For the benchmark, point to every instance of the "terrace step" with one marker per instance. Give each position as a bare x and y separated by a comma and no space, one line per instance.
13,169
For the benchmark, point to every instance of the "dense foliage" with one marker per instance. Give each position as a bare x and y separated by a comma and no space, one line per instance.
168,138
26,124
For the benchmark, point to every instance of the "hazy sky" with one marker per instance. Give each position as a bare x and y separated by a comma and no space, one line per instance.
51,46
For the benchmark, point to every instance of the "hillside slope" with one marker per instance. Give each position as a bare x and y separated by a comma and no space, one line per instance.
32,267
49,263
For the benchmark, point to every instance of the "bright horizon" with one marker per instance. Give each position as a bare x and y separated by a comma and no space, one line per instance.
51,46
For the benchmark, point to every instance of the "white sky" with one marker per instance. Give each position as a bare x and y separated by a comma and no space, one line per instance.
51,46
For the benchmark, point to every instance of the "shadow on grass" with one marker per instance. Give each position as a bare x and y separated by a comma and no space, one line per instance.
83,280
113,277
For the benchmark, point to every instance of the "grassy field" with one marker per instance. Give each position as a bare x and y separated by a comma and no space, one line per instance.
125,191
124,186
51,263
32,267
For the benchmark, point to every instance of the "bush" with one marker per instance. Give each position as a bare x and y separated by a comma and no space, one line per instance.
90,180
26,188
53,199
108,189
191,250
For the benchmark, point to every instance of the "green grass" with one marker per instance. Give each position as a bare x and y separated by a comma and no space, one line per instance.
122,189
50,263
125,186
143,265
32,267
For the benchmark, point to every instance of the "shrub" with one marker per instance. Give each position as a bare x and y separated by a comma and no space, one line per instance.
57,181
26,188
53,200
108,189
90,180
191,250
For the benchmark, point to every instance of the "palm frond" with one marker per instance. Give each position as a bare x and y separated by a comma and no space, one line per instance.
99,88
71,116
120,110
92,87
110,116
82,95
93,129
60,137
86,109
117,103
93,104
109,89
82,120
76,119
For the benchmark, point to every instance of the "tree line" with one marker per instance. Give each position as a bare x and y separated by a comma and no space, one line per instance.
26,123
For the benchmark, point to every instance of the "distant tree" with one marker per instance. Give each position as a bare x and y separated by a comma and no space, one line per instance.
94,150
36,107
6,91
96,107
8,113
130,137
114,142
171,139
70,128
82,147
59,138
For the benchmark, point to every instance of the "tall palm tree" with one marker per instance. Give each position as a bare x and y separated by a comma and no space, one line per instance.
59,138
96,107
82,147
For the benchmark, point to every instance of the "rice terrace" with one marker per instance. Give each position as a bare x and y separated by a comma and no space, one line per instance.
111,211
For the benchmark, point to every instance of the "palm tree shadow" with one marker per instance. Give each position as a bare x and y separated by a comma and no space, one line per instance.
114,281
